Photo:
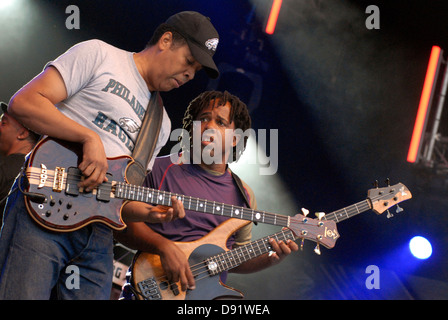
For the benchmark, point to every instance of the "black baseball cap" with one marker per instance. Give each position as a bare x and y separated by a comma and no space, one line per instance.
201,36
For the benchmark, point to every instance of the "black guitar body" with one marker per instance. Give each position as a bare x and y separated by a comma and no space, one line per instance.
52,172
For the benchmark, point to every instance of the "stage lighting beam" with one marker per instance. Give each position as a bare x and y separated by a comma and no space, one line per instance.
420,247
273,16
425,103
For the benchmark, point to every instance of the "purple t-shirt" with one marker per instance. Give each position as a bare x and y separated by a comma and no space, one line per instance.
192,180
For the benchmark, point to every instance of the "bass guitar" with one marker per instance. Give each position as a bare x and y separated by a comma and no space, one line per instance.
208,256
60,205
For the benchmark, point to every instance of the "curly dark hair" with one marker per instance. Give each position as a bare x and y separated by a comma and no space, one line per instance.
239,114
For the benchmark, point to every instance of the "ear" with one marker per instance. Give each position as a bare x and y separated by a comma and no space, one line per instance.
22,134
166,40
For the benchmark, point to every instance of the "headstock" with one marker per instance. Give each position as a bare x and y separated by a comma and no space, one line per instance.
323,229
318,230
382,199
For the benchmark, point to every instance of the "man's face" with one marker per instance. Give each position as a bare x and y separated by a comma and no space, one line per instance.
176,67
217,132
9,130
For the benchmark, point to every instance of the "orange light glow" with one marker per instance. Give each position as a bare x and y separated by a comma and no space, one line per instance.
273,16
424,104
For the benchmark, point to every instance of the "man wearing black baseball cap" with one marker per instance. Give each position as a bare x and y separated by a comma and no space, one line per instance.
201,36
95,95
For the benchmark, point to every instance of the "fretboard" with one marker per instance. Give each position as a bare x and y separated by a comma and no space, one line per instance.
233,258
348,212
154,196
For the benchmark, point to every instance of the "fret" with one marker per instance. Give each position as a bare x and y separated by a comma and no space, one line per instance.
138,193
250,250
148,196
226,262
238,251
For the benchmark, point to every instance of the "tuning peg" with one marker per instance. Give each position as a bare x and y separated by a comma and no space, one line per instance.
320,215
389,215
301,244
305,211
399,209
388,182
375,183
317,249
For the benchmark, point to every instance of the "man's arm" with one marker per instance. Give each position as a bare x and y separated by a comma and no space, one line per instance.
34,107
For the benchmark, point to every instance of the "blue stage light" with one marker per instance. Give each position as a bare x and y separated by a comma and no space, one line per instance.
420,247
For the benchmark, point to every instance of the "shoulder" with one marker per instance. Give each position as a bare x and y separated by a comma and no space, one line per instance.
94,44
90,49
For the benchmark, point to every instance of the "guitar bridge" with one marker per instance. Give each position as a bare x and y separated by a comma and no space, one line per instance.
58,182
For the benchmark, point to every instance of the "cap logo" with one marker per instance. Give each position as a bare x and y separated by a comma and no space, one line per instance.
212,44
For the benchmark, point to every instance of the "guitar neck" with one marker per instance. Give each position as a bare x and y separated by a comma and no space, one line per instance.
348,212
233,258
154,196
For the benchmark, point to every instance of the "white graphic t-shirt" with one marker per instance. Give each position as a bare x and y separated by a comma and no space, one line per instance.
107,94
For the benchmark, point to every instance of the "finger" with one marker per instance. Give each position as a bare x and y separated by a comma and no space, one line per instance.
93,180
178,208
285,250
168,215
292,245
183,282
274,254
191,284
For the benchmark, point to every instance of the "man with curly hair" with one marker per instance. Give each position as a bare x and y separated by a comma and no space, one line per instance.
218,116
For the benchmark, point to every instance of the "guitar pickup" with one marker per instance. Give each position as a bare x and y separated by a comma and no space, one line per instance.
73,177
149,289
104,190
174,287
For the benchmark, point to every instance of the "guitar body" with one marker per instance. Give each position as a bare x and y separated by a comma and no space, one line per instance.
149,279
52,172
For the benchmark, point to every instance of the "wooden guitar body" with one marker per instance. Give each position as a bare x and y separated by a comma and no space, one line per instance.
148,276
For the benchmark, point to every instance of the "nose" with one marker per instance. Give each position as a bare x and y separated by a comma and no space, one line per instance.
189,73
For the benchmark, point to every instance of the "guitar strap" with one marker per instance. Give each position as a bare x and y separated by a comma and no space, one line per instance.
239,183
146,140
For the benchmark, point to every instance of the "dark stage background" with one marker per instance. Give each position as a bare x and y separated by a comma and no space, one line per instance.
344,101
